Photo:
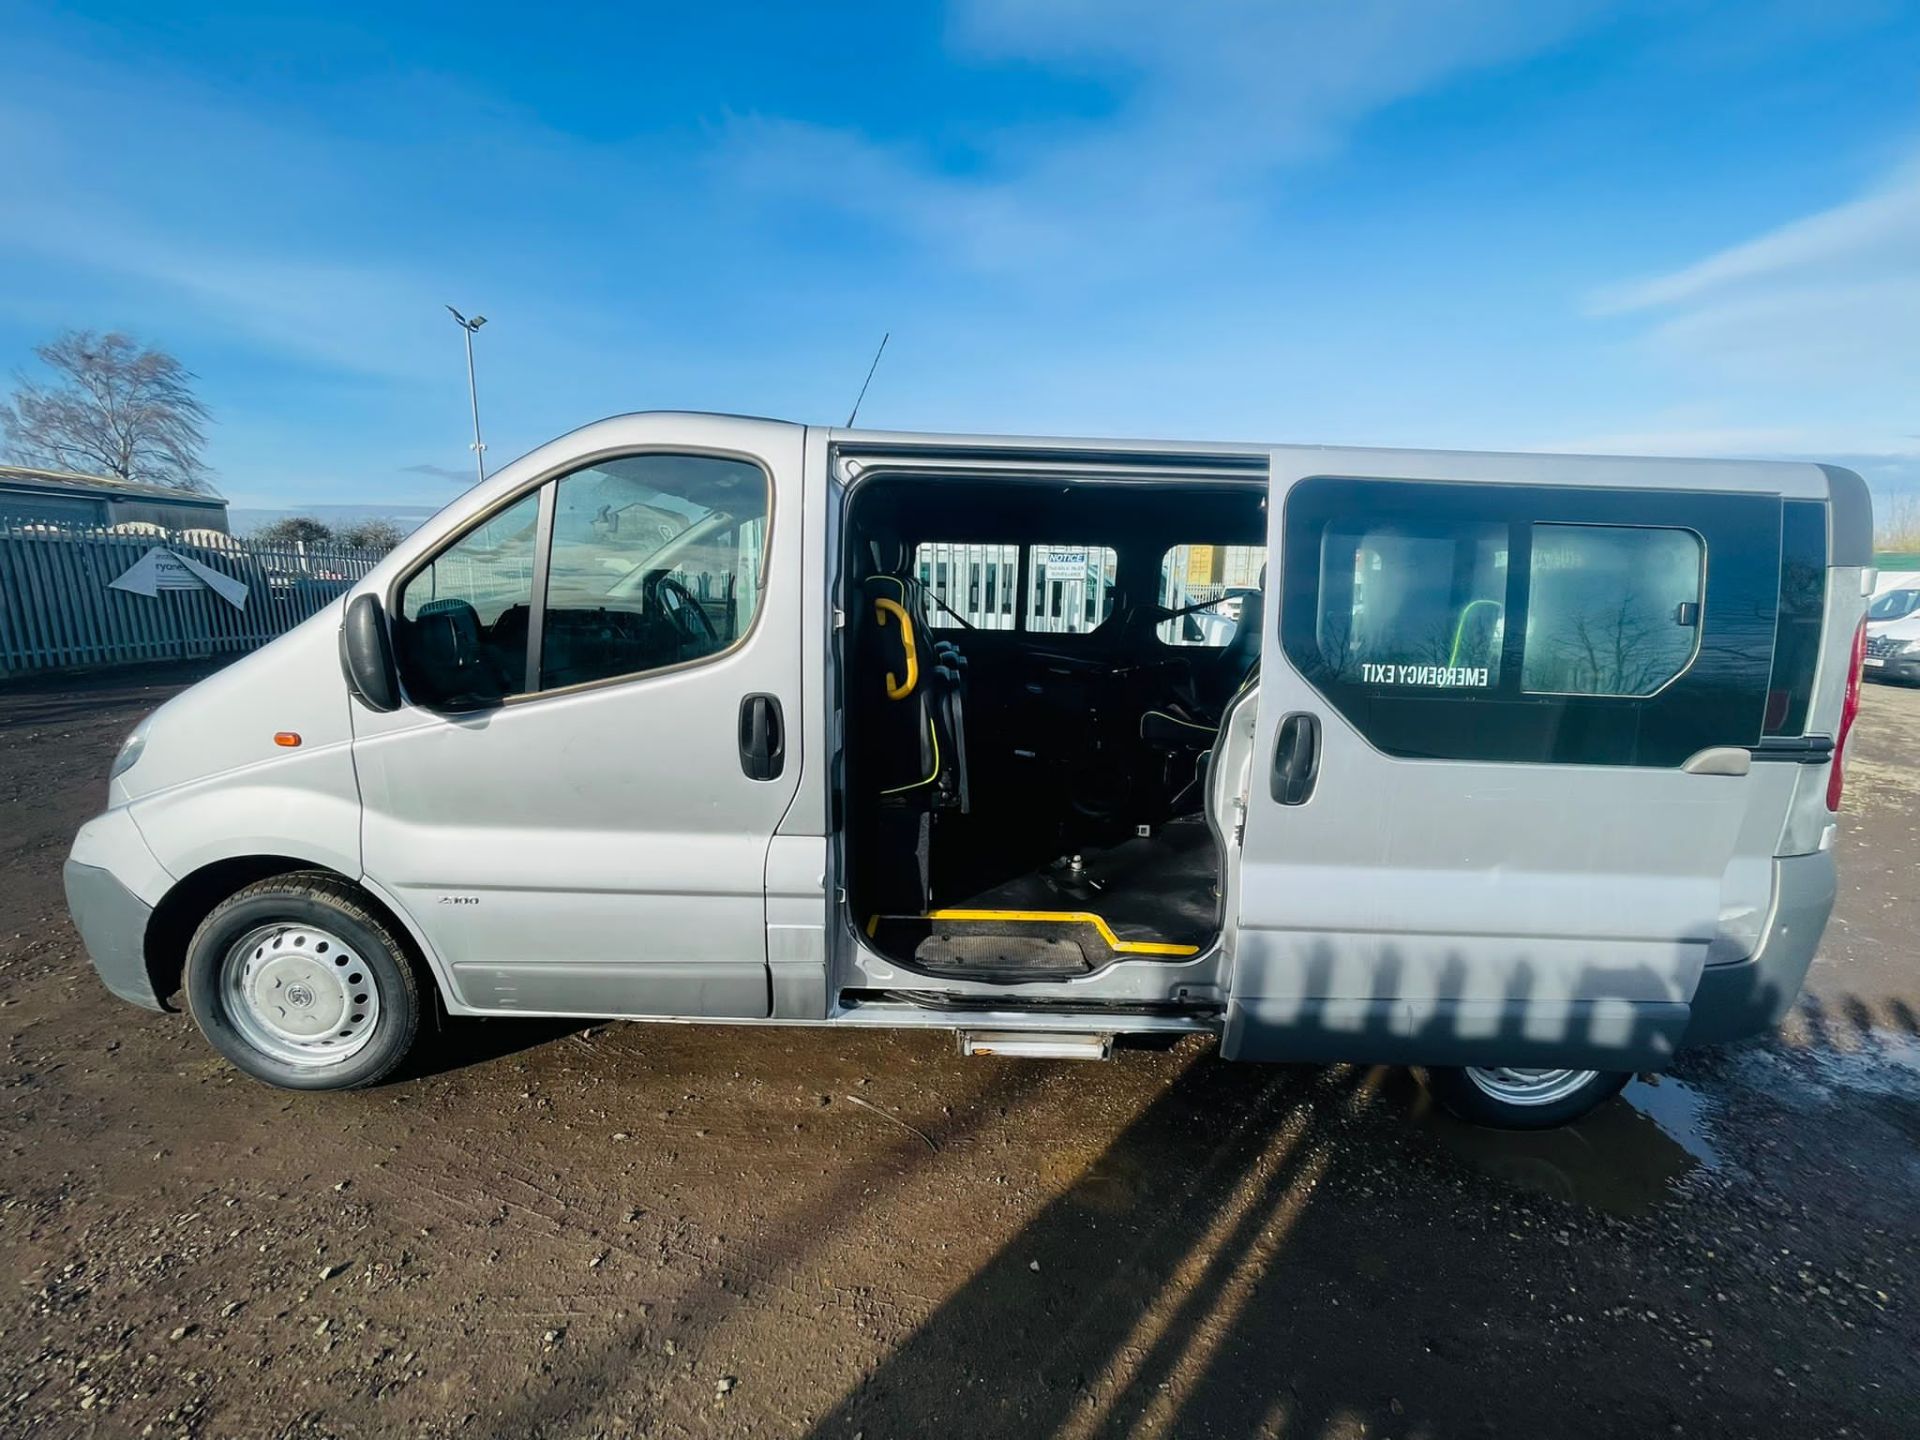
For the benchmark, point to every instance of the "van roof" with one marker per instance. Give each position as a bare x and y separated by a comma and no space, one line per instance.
1851,540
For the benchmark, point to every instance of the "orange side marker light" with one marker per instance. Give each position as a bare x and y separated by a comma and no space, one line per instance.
287,739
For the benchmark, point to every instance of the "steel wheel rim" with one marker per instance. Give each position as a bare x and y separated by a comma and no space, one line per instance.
1514,1085
300,994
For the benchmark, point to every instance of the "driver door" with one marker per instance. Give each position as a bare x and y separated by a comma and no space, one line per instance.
563,805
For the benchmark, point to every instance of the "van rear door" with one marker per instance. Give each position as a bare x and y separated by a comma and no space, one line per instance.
1504,752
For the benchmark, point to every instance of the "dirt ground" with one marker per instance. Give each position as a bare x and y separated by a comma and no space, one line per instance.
667,1231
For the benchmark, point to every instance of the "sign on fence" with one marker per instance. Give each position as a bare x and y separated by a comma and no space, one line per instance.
160,569
97,597
1066,563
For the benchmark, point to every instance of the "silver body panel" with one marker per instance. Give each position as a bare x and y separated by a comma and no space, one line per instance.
600,850
600,853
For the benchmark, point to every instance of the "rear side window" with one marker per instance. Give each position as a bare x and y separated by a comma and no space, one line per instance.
1203,585
1612,609
1413,603
1534,623
1069,587
972,584
1803,615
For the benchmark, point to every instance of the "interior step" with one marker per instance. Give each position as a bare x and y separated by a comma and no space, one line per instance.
1037,1044
1010,946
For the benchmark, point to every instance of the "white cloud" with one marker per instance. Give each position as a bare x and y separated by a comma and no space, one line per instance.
1876,233
336,311
1211,100
1829,302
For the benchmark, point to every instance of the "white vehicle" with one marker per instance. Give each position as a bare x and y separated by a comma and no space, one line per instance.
1893,627
1519,768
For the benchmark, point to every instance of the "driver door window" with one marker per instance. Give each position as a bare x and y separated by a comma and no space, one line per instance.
656,562
460,631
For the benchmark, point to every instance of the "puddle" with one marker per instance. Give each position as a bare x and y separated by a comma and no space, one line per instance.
1677,1109
1878,1063
1625,1158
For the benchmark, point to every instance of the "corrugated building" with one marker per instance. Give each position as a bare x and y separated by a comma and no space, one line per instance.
49,497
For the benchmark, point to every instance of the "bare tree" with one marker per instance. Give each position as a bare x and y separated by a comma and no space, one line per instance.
1627,649
113,407
1898,526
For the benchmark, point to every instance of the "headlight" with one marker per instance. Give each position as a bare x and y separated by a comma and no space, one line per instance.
1912,647
129,752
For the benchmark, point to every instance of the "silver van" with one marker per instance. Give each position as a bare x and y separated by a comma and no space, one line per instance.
1521,769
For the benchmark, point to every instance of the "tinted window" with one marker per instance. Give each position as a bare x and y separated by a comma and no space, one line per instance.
1421,611
1204,585
1413,604
1070,587
1612,610
974,584
461,634
1803,613
655,562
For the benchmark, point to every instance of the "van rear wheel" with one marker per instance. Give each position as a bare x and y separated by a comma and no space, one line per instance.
299,984
1507,1097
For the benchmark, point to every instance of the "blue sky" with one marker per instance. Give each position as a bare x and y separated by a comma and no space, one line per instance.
1670,227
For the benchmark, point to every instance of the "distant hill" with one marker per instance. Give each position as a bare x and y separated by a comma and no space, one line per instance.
244,521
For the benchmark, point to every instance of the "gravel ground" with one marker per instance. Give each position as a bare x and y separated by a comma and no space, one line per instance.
665,1231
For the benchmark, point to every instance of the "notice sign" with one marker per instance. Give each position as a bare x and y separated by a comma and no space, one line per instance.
1065,564
162,569
1459,677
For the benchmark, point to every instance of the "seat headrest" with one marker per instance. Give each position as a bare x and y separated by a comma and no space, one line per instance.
890,556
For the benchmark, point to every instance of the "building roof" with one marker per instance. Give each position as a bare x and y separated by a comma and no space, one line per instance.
60,482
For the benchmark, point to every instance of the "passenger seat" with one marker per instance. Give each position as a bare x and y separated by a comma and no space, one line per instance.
1192,720
911,691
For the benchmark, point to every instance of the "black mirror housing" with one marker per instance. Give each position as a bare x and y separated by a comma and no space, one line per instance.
366,654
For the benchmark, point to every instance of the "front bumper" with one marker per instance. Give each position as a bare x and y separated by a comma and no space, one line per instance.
112,922
1903,668
1754,994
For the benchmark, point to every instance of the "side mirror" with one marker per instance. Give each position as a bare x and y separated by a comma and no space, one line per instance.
366,654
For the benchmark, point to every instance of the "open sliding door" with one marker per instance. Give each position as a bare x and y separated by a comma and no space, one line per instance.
1502,756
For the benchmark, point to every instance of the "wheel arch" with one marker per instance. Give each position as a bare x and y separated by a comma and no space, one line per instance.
193,897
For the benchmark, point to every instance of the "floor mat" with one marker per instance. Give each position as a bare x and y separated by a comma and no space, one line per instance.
1157,888
1150,896
1012,945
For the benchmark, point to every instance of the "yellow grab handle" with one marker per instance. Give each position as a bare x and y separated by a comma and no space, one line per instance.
895,689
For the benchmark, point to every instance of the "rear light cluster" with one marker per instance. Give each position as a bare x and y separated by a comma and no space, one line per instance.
1850,707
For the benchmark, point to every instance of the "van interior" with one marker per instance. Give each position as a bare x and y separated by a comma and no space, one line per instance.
1034,675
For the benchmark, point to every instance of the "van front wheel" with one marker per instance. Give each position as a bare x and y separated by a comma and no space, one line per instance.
1507,1097
299,984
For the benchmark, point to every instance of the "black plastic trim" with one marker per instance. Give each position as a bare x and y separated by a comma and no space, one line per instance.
1852,506
112,922
1795,750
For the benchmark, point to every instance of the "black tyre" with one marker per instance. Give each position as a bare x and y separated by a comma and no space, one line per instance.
296,981
1511,1098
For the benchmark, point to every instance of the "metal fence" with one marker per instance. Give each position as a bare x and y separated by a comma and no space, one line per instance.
59,607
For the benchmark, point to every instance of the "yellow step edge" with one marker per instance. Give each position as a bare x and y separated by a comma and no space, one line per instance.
1068,917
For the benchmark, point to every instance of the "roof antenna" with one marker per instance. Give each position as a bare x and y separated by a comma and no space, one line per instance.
869,380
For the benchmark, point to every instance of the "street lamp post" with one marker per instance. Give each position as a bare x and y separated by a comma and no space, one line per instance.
473,393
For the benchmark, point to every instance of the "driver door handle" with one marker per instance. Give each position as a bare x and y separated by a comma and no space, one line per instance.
763,737
1296,758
